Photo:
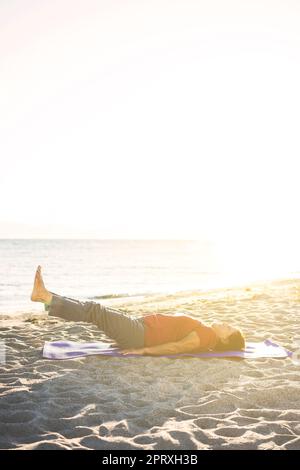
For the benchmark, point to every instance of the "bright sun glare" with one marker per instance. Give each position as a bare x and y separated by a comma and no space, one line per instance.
163,119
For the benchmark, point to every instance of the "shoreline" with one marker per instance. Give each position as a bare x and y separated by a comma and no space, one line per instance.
127,301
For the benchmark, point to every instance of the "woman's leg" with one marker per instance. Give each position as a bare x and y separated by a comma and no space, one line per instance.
128,332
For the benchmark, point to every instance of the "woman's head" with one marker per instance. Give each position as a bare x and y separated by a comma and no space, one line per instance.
229,337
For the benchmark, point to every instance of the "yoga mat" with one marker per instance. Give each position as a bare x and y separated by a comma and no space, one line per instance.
71,350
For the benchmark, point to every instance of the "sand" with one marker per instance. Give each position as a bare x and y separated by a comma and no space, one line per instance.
151,402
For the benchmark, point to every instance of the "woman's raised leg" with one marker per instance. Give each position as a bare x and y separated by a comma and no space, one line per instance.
128,332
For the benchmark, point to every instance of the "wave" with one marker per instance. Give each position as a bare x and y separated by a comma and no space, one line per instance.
126,294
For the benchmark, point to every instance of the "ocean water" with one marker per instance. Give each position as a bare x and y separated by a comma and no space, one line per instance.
99,269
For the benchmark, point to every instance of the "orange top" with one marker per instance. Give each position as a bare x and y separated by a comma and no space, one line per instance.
162,328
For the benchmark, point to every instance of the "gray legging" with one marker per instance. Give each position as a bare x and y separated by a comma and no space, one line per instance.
128,332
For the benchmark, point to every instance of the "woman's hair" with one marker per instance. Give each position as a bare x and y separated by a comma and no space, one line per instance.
235,342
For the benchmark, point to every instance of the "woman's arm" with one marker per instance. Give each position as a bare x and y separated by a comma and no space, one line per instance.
185,345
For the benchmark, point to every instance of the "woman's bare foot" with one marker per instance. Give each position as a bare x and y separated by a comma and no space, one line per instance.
39,291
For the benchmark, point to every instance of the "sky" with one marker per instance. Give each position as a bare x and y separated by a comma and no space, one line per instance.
159,119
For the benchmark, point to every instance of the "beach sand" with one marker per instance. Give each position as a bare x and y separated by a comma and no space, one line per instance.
151,402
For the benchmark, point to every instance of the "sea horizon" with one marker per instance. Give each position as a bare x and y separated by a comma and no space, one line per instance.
95,269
